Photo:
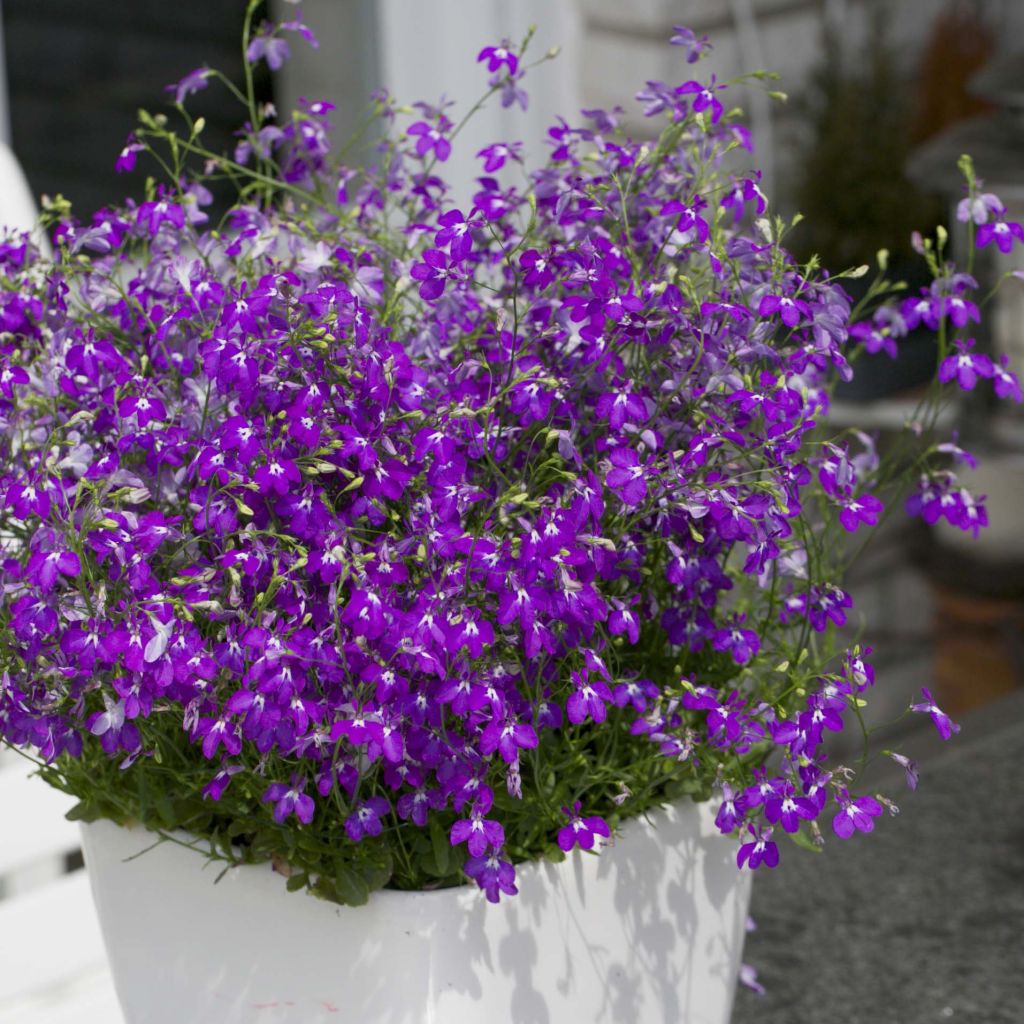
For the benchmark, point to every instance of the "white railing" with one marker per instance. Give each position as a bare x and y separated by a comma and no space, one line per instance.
53,968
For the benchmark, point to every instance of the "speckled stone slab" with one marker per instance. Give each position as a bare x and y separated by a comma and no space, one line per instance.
922,921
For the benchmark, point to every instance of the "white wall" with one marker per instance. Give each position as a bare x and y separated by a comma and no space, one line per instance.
430,48
423,49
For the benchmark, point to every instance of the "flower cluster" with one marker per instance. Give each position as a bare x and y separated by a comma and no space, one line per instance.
398,540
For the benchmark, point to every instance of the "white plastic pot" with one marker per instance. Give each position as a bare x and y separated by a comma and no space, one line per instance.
650,930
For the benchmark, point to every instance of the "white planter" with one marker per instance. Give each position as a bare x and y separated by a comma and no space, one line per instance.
649,931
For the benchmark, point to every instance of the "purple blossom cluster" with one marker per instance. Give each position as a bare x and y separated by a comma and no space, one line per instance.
423,538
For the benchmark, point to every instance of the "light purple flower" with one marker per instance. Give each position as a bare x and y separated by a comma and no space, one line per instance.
193,82
693,47
943,723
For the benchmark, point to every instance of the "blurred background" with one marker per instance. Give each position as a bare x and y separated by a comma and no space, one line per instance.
884,95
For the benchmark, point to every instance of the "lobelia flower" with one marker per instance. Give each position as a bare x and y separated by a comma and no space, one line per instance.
863,510
965,367
494,875
497,155
626,477
368,501
758,850
908,766
943,723
731,812
128,156
499,56
1003,232
855,815
365,820
289,798
693,47
748,978
478,833
431,138
788,809
1005,382
434,273
979,208
704,97
193,82
580,831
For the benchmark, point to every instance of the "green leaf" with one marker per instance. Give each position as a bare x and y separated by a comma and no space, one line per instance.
296,882
377,873
441,846
802,838
84,810
351,886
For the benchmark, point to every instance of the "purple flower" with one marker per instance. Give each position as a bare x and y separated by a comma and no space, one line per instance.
128,156
431,138
494,875
276,476
979,208
217,732
478,833
46,567
732,810
626,477
855,815
910,767
434,273
742,644
455,234
507,736
289,798
1005,381
588,700
966,367
496,155
945,725
214,789
499,56
748,978
580,831
268,45
400,537
29,499
193,82
791,311
704,97
511,93
789,810
619,407
365,820
863,510
1003,232
758,850
693,47
743,192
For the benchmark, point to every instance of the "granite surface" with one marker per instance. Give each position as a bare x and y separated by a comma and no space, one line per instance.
923,921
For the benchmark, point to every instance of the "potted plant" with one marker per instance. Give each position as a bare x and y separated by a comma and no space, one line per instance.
373,546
